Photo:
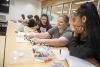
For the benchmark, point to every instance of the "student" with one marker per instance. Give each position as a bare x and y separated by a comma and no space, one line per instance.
31,23
86,40
37,19
22,19
30,17
31,26
57,36
20,24
44,24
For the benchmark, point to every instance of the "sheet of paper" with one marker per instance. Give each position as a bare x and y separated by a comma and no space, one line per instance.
72,61
77,62
20,37
60,53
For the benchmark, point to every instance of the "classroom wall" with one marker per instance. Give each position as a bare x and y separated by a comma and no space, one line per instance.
18,7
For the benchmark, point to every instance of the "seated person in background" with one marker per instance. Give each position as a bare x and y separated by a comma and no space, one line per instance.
44,24
20,24
85,43
30,17
31,26
37,19
22,19
57,36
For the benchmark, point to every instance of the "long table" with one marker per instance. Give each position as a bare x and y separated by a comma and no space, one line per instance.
13,47
2,47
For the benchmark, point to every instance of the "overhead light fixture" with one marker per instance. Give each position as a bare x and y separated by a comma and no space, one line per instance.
59,12
7,0
74,9
64,11
59,6
84,2
41,0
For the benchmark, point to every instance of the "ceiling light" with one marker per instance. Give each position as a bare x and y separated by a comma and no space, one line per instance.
7,0
59,12
84,2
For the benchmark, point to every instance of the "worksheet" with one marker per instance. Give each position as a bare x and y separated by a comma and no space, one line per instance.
20,37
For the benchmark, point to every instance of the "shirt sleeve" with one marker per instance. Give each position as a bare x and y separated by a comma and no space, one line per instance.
52,30
68,35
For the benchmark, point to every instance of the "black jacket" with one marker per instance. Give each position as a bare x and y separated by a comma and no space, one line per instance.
80,48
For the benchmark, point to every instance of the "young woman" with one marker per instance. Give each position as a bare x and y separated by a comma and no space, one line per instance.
86,40
44,24
22,19
31,26
37,19
23,16
57,36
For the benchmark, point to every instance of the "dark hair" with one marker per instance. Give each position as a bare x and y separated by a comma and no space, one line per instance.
31,23
37,19
30,16
23,16
92,24
45,15
47,26
66,18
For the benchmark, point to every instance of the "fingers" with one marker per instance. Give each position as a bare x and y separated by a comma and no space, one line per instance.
36,41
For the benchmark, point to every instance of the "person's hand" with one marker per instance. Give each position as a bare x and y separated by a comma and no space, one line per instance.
28,30
36,40
31,34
